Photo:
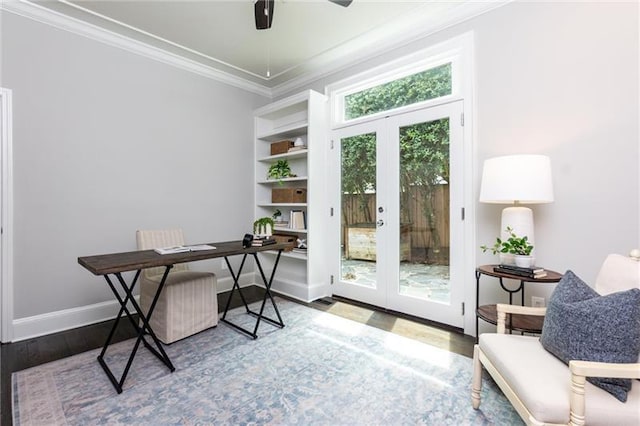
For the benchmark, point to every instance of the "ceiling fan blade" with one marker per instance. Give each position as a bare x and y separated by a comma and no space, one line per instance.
344,3
263,11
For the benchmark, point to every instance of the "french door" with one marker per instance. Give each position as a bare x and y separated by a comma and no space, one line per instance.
398,234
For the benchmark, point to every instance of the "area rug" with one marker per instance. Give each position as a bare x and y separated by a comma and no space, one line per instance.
320,369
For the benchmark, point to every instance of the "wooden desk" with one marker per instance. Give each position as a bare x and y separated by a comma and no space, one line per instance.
142,259
488,313
117,263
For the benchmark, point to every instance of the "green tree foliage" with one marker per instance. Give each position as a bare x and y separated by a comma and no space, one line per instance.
359,169
429,84
424,147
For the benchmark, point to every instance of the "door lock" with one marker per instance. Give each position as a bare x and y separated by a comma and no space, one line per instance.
380,222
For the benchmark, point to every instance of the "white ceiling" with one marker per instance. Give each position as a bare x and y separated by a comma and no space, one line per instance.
307,37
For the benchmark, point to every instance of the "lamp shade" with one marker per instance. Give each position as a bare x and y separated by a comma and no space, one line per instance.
519,179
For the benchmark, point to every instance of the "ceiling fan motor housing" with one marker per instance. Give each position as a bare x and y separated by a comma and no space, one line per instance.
263,11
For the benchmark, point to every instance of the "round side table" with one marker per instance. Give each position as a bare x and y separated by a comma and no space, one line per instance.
522,323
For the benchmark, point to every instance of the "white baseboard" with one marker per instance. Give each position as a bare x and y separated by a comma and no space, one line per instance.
297,290
319,290
53,322
66,319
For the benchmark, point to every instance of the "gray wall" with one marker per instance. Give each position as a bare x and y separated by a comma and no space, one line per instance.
97,128
560,79
107,142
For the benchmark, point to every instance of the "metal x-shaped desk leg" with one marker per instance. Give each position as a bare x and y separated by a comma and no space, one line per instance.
160,353
267,295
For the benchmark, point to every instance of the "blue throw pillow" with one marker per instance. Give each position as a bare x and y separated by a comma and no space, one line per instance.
580,324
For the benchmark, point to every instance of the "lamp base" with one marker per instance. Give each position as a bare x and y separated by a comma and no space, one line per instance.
520,219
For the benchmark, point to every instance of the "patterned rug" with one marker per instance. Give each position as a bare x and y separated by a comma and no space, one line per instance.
320,369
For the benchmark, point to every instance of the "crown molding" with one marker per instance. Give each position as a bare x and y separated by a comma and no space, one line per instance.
46,16
351,54
362,50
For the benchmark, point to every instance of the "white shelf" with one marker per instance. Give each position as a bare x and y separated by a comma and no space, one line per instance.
303,276
290,179
295,255
289,254
288,155
297,231
287,131
282,205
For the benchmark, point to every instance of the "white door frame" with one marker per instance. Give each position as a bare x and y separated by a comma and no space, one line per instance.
6,216
462,48
387,148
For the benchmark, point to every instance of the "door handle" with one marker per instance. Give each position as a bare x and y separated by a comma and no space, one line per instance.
380,222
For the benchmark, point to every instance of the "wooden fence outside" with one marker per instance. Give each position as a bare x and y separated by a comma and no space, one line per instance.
422,236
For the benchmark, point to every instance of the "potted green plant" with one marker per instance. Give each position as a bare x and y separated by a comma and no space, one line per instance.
263,227
518,247
279,170
277,217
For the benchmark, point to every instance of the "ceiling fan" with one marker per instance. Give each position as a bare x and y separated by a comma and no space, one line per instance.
263,10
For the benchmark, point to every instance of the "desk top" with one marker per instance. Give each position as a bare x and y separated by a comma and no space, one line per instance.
133,260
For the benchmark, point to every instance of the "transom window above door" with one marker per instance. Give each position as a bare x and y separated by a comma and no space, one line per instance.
412,89
429,77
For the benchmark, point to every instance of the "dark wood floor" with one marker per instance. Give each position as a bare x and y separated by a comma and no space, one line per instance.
28,353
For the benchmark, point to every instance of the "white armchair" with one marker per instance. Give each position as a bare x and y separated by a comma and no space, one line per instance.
542,388
189,301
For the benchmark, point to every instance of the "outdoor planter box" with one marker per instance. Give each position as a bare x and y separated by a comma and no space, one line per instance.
361,242
281,147
288,195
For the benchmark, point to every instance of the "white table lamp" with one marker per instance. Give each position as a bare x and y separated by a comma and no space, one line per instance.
517,180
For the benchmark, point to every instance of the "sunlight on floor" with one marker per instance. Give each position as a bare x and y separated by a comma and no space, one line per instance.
404,345
404,326
350,328
351,312
341,323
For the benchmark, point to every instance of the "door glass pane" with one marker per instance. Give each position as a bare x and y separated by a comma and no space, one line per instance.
424,210
358,200
423,86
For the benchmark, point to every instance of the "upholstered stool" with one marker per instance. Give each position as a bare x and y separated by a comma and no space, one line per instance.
188,303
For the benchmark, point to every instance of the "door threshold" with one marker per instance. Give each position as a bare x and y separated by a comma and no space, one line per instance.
419,320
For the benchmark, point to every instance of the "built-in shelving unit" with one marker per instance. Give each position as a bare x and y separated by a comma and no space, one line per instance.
304,117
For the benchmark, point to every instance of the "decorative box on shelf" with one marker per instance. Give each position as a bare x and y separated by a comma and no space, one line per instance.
288,195
281,147
284,238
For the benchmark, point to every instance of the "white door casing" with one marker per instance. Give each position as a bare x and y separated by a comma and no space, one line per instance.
386,291
6,217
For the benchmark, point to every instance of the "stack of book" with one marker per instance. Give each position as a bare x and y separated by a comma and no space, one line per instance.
534,272
262,241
